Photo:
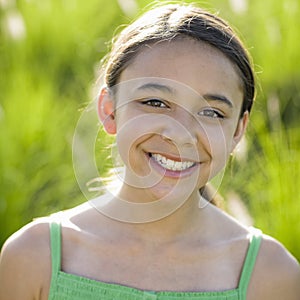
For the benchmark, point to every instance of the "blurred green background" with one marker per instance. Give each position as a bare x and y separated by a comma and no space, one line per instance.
49,54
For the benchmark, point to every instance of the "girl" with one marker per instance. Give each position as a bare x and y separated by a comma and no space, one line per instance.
178,93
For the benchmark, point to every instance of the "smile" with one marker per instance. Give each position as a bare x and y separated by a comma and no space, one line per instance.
170,164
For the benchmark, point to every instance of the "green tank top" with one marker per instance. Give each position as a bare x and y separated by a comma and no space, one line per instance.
65,286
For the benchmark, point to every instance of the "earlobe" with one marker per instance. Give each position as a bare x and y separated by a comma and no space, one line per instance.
240,130
106,111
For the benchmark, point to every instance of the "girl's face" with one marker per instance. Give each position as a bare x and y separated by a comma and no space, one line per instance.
177,116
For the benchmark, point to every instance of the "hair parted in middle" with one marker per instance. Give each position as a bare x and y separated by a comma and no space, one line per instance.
174,21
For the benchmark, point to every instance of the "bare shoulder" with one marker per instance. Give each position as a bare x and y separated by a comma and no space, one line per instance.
25,264
276,274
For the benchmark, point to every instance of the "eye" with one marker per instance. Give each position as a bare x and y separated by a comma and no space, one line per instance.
211,113
155,103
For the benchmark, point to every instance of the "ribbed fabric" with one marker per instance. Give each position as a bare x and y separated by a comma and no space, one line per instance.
66,286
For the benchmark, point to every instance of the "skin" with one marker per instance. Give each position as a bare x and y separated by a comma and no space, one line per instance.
175,252
184,129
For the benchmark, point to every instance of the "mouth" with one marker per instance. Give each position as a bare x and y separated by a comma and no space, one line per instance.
170,164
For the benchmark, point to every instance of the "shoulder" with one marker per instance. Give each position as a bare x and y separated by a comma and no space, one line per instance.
276,273
25,263
28,239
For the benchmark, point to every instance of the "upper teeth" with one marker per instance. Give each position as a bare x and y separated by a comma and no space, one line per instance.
171,164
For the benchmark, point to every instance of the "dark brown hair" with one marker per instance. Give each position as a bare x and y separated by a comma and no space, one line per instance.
172,21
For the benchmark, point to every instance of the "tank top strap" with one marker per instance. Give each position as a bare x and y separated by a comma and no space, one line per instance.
253,249
55,243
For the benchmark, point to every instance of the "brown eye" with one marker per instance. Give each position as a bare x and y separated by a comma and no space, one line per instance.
155,103
211,113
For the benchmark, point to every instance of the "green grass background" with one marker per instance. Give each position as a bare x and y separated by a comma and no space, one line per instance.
49,54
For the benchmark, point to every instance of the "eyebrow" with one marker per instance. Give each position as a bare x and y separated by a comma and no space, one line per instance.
156,86
220,98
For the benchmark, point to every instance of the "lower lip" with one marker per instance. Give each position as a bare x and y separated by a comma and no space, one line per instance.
170,173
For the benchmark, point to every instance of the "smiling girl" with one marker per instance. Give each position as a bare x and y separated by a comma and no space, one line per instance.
178,92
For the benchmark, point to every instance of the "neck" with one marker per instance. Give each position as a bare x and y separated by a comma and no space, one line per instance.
173,226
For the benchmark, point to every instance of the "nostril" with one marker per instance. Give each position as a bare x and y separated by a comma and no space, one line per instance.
180,139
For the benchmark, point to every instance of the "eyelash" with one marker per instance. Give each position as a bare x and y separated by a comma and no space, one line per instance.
153,102
157,103
215,114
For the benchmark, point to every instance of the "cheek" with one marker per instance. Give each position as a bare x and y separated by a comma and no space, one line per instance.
218,143
218,139
132,132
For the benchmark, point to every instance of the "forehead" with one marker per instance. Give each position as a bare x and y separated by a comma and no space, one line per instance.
196,64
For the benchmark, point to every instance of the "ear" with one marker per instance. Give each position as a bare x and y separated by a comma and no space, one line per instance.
106,111
240,130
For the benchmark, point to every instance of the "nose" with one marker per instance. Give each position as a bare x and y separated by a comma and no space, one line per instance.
181,129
